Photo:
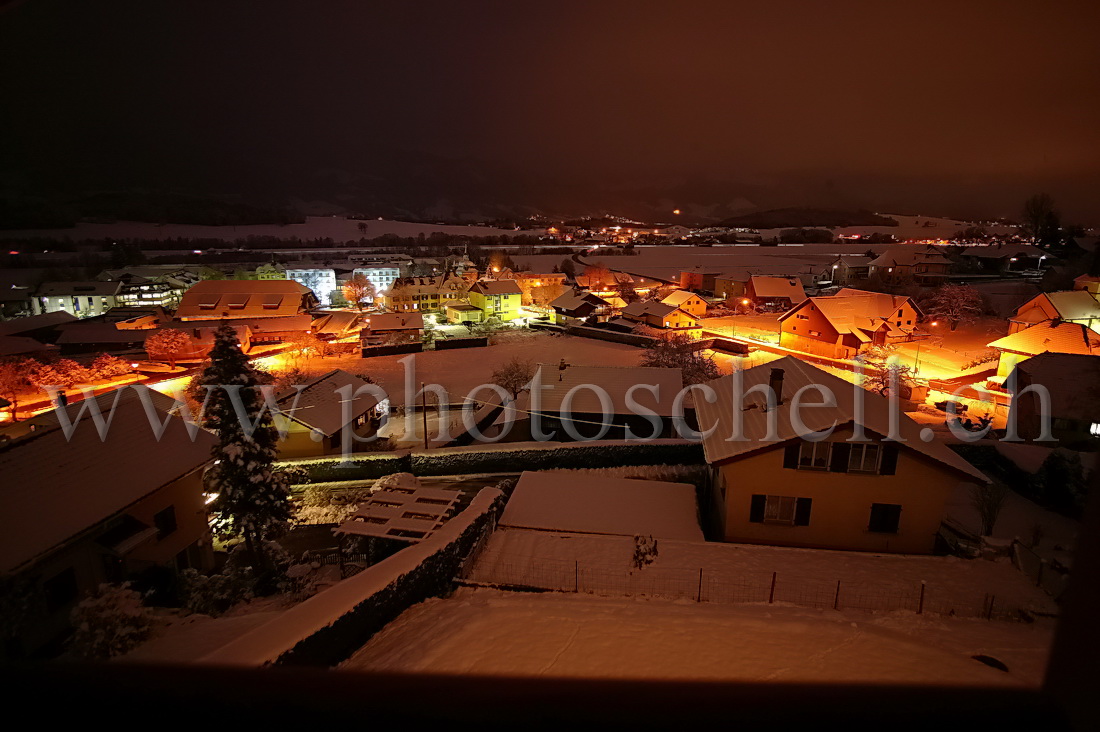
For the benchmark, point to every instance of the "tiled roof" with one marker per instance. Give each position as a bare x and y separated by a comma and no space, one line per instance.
242,298
789,287
395,321
496,287
321,407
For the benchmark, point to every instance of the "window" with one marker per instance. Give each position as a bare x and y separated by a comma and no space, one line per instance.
863,458
885,518
785,510
165,521
1094,429
814,455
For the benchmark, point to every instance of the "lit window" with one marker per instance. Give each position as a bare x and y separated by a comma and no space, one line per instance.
1094,429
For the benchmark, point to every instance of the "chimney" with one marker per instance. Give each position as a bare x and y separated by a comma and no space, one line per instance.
776,384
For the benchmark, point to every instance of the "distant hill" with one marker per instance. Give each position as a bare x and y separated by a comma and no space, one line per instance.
781,218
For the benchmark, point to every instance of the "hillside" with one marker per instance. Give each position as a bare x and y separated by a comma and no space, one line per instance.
804,217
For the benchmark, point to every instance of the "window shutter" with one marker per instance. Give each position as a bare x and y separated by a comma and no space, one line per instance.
756,510
790,455
889,464
839,462
802,512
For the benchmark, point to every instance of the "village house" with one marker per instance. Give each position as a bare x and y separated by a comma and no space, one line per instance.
1073,384
848,268
499,299
536,288
1053,336
576,306
659,315
315,416
1001,258
910,263
83,299
842,325
235,299
425,294
337,325
80,511
1069,306
775,292
687,301
700,279
786,489
393,328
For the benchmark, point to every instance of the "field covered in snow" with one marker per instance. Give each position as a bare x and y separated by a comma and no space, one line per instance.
493,633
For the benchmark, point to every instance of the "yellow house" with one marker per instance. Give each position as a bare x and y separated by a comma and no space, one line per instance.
316,416
689,302
497,298
846,491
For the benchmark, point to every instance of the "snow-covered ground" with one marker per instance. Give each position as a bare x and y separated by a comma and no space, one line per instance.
493,633
738,573
460,370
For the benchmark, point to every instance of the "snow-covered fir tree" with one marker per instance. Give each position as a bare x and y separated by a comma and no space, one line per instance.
253,500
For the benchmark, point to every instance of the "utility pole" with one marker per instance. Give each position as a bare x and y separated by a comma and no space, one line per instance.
424,412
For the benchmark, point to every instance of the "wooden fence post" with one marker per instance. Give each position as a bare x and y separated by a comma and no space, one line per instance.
577,576
771,593
920,602
836,599
699,594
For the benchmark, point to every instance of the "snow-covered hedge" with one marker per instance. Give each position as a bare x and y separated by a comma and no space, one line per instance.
517,457
327,628
501,458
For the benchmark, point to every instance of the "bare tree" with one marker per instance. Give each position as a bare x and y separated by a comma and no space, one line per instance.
957,304
1041,221
514,375
678,350
988,499
167,343
358,289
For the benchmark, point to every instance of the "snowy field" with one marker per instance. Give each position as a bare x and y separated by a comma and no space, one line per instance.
460,370
739,573
337,228
493,633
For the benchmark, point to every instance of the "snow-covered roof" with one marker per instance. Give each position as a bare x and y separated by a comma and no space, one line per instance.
909,255
788,287
336,322
679,297
797,374
1052,336
641,308
19,345
573,299
83,287
599,504
242,298
54,489
616,381
496,287
17,326
1067,304
321,407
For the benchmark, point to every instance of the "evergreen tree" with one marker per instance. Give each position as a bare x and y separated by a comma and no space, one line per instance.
253,500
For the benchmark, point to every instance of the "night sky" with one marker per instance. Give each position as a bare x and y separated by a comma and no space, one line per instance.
910,107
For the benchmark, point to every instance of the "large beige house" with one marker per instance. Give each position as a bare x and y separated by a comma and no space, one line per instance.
846,323
784,488
236,299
